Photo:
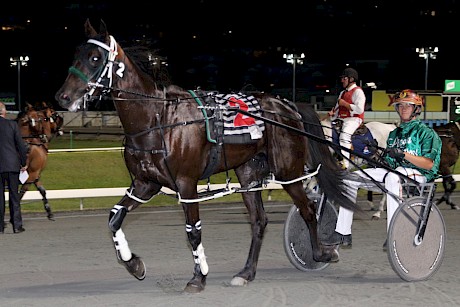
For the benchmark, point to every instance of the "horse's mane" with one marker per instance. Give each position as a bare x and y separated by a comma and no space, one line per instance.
144,58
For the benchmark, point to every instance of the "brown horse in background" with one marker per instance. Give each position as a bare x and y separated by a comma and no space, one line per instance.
38,126
450,137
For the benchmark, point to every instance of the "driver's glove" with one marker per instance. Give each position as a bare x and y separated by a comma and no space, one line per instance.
396,154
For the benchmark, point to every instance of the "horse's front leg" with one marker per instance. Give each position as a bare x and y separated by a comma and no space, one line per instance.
130,201
131,261
193,230
259,220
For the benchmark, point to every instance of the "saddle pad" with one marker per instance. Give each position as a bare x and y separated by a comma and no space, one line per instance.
239,128
359,142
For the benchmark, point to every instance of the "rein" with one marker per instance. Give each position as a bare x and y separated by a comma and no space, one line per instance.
134,135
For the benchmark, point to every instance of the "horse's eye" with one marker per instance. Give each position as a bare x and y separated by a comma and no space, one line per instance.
94,60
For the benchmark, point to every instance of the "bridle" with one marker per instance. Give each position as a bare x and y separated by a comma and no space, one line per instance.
55,117
103,75
34,132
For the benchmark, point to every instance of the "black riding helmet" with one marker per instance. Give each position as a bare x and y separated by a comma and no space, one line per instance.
350,72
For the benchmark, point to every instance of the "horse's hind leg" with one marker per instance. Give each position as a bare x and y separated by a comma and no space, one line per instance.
370,200
321,253
258,219
250,174
46,205
377,215
449,184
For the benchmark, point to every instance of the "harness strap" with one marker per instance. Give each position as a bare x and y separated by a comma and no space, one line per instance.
216,149
206,118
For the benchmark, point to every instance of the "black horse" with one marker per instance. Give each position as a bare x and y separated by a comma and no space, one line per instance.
175,137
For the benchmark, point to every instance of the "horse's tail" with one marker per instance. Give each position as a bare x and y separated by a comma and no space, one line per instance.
330,176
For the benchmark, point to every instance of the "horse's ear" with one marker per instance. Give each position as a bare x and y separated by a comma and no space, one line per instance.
89,30
102,27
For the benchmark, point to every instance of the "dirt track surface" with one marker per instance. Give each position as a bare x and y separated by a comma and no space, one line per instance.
71,262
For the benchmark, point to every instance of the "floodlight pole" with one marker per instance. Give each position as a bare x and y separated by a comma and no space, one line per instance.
294,59
427,53
19,61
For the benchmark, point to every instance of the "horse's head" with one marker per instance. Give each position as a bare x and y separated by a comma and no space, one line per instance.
53,119
57,121
92,70
33,123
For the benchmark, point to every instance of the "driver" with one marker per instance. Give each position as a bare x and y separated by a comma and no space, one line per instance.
350,109
413,149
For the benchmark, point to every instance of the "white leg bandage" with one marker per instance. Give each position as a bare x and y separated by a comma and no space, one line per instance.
121,245
188,228
200,258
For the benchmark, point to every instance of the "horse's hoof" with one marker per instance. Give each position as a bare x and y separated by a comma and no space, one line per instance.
136,267
238,282
375,217
51,217
454,207
333,250
193,288
335,256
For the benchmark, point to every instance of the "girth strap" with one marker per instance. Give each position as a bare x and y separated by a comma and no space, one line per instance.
217,129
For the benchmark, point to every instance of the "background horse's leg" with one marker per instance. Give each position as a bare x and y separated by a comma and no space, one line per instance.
46,205
370,199
376,215
24,188
449,184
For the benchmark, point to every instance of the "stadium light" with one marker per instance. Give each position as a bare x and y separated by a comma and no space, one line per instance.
427,53
294,59
19,61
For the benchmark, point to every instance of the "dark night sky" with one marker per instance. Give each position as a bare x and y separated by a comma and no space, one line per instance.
330,33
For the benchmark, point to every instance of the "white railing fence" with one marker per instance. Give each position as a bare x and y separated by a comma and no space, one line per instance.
81,194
